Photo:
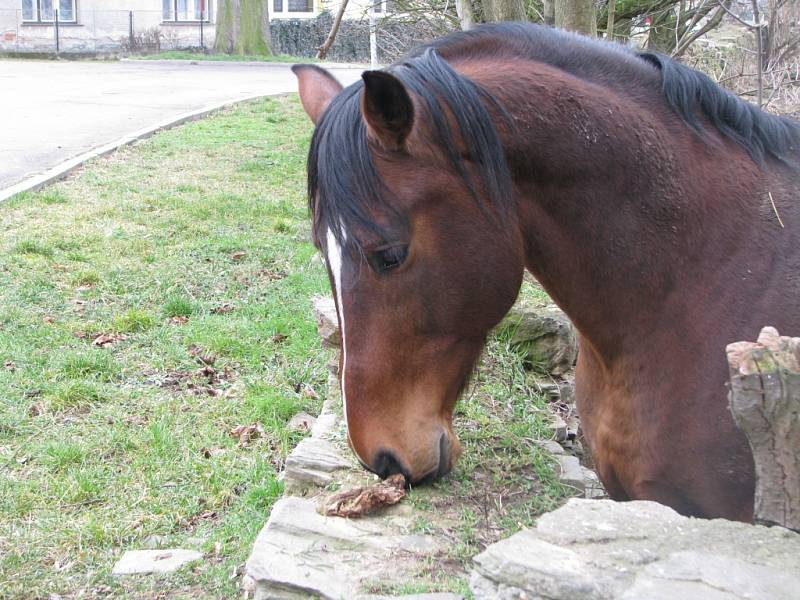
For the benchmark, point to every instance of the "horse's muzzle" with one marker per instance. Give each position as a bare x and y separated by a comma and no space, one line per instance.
387,463
444,456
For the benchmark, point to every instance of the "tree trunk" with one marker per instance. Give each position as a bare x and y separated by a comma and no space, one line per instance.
612,8
243,27
661,36
322,51
576,15
465,15
504,10
549,12
765,403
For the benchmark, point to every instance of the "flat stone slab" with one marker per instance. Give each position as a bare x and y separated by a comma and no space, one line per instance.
301,422
571,472
165,560
600,549
434,596
327,321
302,554
313,461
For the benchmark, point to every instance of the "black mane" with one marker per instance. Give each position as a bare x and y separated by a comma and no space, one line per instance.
344,185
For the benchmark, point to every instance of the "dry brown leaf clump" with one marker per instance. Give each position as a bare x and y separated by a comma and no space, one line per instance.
364,500
106,339
245,433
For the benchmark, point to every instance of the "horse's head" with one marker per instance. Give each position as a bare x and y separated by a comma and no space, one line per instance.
421,261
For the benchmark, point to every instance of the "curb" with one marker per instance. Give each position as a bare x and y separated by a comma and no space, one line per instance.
199,61
60,171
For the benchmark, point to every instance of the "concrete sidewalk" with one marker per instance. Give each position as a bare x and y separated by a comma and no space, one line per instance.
54,111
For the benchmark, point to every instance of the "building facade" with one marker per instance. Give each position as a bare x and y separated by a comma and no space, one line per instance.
97,27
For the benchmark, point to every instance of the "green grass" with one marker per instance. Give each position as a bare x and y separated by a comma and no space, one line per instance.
189,55
188,250
104,449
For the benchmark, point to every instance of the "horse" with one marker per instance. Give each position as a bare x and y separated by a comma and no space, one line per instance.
659,211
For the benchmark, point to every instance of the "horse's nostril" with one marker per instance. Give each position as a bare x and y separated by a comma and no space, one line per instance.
386,465
444,455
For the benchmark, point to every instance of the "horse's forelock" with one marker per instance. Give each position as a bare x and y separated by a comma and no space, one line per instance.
344,187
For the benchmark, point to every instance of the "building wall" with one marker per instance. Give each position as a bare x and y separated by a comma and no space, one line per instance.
103,26
356,9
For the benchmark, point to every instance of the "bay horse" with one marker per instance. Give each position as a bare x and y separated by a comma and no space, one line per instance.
660,212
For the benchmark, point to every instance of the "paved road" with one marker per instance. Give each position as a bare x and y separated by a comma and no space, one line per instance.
51,111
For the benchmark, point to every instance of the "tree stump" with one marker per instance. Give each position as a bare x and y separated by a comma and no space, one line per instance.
765,403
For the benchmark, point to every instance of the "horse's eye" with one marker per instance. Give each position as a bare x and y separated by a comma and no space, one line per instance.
388,258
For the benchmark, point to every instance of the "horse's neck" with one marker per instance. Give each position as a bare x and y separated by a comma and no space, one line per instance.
615,215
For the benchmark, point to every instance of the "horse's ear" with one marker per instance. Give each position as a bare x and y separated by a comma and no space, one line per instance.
317,89
387,108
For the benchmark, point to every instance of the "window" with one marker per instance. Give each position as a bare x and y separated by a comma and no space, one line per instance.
293,6
184,10
382,6
43,11
301,5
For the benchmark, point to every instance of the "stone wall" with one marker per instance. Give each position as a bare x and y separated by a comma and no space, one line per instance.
301,553
600,549
585,550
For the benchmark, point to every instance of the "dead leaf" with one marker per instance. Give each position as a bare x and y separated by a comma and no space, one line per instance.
212,452
308,392
238,255
106,339
363,500
206,359
199,390
10,365
208,372
179,320
222,309
48,319
101,590
279,338
271,275
140,420
245,433
208,514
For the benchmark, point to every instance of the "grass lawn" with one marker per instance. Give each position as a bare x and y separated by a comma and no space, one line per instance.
154,302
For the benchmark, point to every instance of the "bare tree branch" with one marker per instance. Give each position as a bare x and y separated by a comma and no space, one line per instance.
322,51
711,24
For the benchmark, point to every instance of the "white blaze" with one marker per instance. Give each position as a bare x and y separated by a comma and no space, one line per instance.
334,252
